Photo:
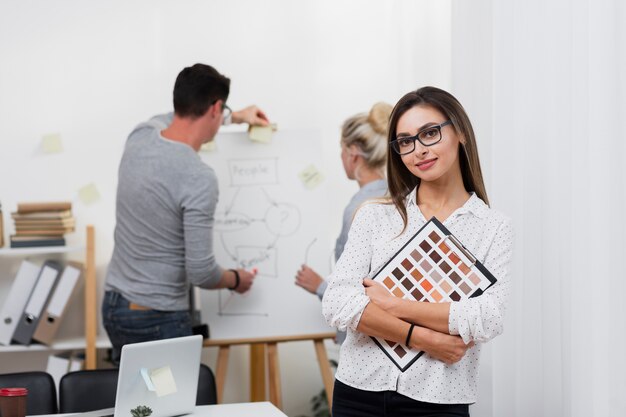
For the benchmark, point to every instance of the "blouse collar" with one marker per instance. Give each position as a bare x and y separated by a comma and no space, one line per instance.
473,205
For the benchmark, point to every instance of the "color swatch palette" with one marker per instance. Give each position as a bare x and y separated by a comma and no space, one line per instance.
433,266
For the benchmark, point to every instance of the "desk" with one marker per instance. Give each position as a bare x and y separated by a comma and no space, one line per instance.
261,409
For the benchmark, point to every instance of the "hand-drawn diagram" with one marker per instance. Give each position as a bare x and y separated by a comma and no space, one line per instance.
267,218
280,219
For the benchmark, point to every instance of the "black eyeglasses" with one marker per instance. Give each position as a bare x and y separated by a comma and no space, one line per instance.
226,111
427,137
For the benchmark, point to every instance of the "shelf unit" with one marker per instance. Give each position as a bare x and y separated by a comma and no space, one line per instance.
90,342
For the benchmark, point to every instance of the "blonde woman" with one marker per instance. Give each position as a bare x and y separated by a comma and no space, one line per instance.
364,156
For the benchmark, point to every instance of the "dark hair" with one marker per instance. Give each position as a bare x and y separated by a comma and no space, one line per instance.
401,180
198,87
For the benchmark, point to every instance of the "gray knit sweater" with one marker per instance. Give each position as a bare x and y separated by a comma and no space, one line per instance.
166,198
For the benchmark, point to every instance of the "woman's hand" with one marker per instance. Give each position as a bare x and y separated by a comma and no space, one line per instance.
444,347
308,279
379,295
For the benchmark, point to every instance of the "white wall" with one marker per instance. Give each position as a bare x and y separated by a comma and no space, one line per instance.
92,70
472,60
552,74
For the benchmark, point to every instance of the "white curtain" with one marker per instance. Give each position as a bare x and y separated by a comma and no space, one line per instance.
545,83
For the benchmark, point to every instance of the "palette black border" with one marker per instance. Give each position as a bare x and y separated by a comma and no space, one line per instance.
477,264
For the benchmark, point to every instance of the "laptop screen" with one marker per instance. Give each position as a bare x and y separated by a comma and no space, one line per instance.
161,375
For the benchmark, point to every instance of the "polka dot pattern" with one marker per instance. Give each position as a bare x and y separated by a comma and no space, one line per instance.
373,239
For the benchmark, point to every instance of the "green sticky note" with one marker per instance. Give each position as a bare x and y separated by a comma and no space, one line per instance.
311,177
208,147
89,194
51,143
262,134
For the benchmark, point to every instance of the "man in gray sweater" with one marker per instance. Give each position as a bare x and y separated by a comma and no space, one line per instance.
166,198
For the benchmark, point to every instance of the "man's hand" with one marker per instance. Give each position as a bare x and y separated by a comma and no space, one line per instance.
308,279
251,115
245,280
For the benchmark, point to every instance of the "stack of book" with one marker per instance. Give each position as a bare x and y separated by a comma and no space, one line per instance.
42,224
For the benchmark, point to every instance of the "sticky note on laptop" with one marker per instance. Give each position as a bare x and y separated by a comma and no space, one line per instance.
163,381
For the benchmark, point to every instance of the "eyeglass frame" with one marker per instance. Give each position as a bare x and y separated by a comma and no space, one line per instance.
224,108
416,137
226,111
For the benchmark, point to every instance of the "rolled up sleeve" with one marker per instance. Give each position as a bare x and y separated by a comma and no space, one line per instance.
345,298
481,318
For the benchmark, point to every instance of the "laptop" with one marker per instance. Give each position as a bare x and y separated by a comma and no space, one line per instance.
147,370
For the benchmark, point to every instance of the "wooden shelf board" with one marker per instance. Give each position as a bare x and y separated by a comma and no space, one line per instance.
65,344
43,250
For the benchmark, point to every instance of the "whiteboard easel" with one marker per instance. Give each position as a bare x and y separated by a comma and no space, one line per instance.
262,348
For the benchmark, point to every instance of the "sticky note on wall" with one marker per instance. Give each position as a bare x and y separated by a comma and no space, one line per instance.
89,194
51,143
163,381
208,147
262,134
311,177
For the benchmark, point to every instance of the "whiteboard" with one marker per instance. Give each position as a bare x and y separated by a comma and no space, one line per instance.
268,218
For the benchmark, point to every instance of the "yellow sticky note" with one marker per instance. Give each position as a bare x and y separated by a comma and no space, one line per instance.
262,134
208,147
51,143
311,177
163,381
89,194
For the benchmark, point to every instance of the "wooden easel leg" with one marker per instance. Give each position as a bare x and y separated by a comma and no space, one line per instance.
327,375
274,373
220,371
257,372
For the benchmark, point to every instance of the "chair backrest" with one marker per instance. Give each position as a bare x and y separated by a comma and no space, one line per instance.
76,390
83,391
42,394
207,392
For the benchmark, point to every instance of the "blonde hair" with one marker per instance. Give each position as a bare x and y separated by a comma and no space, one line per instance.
368,132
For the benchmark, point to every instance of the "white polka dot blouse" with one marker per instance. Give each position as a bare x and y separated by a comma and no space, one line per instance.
373,239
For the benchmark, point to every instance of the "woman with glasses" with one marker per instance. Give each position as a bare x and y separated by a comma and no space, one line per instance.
364,155
432,170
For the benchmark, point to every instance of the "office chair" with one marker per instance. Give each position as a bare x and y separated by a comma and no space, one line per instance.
207,391
83,391
42,394
76,390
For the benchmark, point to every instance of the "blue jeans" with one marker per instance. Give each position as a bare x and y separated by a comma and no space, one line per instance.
125,326
353,402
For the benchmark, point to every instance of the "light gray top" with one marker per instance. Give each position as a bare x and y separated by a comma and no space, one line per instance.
374,189
166,198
